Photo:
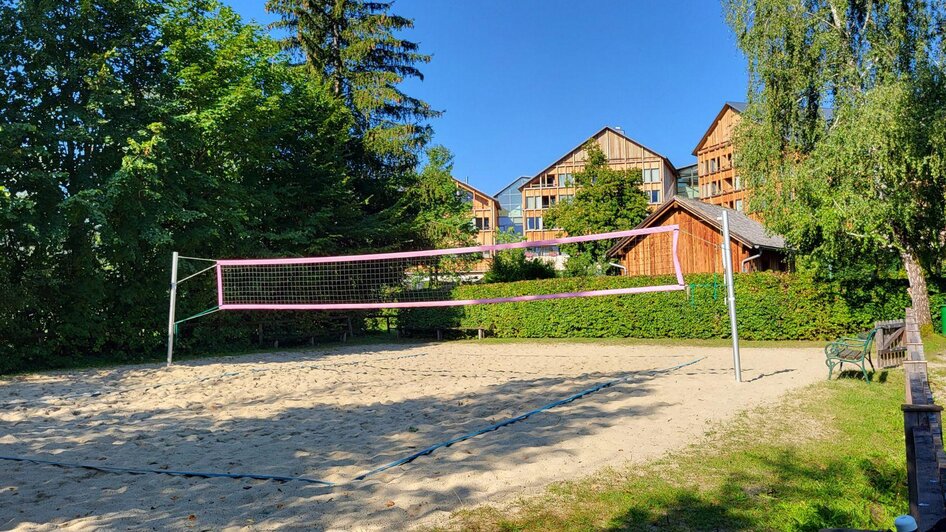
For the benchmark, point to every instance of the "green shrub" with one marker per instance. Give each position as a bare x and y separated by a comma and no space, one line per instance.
513,265
770,306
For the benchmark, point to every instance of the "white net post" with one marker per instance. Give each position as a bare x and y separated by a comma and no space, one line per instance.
731,298
174,259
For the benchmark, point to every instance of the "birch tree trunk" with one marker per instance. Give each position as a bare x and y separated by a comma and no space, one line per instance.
919,294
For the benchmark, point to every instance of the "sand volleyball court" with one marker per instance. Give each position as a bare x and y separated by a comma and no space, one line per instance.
333,415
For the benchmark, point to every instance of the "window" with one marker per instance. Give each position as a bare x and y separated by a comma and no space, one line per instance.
738,182
651,175
568,180
565,197
549,180
548,201
530,202
534,223
465,195
481,223
739,205
654,196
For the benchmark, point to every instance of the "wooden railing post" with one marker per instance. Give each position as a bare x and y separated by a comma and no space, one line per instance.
923,434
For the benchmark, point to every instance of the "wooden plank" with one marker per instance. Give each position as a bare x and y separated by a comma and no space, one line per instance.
923,434
928,503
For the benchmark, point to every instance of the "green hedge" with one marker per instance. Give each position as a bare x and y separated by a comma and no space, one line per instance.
770,306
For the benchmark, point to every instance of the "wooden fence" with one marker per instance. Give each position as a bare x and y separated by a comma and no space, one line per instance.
891,343
923,430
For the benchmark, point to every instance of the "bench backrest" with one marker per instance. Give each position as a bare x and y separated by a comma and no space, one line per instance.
869,339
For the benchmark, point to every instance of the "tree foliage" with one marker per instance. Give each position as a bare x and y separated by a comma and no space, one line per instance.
513,265
356,47
844,139
441,213
131,129
606,199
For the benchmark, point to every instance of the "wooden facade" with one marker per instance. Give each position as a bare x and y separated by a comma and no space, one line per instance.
556,182
484,215
719,183
699,247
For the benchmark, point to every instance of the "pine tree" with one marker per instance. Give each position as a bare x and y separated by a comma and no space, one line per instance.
355,46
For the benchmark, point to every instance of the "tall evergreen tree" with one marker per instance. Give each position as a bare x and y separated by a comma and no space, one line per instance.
866,179
355,46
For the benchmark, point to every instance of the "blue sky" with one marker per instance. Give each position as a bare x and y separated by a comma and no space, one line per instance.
522,82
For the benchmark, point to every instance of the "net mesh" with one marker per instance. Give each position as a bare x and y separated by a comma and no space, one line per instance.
428,278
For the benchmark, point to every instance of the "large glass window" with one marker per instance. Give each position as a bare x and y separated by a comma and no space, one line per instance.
534,223
510,201
651,175
530,202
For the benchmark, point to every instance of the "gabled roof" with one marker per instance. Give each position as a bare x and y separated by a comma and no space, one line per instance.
741,228
739,107
827,113
471,188
512,184
597,133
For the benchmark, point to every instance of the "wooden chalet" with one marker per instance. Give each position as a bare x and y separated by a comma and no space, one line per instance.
719,183
556,182
700,242
485,215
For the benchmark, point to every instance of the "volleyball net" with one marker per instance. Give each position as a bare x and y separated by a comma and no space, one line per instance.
427,278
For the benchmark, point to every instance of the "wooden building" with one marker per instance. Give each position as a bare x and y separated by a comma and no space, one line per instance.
557,182
719,183
700,242
485,212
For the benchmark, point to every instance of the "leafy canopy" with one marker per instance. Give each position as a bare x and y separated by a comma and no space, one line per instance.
442,215
512,264
132,129
844,140
606,199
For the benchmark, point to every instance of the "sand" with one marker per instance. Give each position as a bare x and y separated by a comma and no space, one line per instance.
334,414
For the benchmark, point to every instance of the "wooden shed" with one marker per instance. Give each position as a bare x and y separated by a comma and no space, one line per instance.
700,243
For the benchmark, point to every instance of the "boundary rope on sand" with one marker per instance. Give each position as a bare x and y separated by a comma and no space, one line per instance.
365,475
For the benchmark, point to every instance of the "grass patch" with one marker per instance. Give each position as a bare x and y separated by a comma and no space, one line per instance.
829,455
934,344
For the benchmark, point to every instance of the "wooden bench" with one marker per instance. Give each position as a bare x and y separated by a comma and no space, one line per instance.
851,350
